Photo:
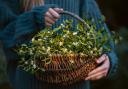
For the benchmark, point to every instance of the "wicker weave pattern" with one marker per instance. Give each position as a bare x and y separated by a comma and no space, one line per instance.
66,69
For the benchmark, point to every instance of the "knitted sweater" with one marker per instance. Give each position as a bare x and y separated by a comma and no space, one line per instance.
3,72
18,27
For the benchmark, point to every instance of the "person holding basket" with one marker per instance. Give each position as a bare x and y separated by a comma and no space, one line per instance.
20,20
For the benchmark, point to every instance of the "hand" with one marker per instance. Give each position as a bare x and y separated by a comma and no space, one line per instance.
52,15
100,71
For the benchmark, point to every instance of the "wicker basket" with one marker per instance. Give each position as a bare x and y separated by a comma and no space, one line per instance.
66,69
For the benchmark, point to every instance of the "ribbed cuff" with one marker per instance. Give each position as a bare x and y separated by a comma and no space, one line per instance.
113,64
39,13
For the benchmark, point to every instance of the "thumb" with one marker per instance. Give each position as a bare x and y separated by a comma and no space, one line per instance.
101,59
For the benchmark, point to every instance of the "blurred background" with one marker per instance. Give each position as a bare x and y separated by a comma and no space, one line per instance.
116,14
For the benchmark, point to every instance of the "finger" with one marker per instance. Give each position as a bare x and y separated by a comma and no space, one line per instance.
54,13
50,16
101,59
99,69
96,76
59,10
49,20
48,24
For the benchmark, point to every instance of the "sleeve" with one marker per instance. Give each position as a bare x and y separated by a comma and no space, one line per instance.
91,10
23,27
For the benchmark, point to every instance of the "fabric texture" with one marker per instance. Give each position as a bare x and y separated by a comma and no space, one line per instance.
3,66
17,27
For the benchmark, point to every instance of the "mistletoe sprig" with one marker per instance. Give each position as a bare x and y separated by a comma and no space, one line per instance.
63,40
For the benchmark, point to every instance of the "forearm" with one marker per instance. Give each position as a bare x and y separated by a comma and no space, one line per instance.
24,27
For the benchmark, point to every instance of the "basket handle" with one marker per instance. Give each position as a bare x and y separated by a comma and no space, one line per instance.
76,17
